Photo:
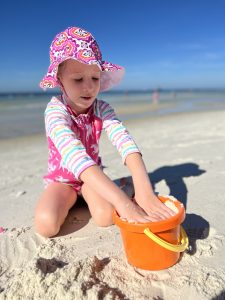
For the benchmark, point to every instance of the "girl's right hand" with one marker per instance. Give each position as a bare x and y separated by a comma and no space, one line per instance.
132,213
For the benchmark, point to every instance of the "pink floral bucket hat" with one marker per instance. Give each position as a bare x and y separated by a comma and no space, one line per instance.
80,45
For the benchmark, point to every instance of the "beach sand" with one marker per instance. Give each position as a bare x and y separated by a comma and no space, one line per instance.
184,155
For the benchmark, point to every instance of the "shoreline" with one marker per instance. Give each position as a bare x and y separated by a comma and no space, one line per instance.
128,117
28,113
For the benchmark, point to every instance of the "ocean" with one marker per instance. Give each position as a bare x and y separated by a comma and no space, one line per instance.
22,114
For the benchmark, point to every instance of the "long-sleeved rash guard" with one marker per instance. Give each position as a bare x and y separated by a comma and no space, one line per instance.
73,140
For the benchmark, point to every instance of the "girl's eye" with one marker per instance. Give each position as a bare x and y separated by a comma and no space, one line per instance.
78,80
95,78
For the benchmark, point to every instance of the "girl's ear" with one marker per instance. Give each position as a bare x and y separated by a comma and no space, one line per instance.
59,78
61,86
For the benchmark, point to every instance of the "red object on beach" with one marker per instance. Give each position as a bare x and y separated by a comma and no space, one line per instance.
2,229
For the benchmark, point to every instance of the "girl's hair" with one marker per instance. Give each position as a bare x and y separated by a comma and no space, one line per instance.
60,68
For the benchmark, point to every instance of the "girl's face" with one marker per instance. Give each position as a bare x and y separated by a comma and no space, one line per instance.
81,84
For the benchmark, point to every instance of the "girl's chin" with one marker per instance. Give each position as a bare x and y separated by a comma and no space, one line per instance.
82,108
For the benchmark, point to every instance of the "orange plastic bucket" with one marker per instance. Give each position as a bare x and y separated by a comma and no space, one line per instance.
154,245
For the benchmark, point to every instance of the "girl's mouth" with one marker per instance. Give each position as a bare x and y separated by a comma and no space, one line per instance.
87,98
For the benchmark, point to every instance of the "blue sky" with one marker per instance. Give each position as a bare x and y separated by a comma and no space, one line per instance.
167,44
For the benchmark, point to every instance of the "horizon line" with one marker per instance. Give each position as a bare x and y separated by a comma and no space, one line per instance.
160,89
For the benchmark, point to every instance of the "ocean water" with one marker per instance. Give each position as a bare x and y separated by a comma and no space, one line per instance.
23,114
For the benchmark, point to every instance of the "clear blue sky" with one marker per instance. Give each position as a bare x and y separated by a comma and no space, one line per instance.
165,44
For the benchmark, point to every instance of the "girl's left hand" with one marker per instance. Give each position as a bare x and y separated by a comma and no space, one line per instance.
154,208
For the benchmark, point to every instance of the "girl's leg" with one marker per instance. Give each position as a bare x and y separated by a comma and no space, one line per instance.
100,208
53,207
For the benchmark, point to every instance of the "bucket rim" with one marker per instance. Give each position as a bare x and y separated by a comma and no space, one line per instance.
159,226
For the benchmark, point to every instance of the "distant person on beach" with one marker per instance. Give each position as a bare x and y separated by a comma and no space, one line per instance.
74,120
155,97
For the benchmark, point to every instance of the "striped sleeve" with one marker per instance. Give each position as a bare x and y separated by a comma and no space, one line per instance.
58,128
117,132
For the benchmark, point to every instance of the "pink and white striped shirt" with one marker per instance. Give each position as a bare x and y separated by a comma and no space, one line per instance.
73,141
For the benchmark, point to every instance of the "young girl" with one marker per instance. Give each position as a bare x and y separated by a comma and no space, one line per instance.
73,127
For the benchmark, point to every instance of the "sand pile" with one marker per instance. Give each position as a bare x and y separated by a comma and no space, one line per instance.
72,267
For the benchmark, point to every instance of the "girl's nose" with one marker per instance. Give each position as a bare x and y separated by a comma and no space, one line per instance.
88,85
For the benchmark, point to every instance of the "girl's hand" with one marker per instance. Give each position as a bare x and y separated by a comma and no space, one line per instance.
132,212
144,195
154,208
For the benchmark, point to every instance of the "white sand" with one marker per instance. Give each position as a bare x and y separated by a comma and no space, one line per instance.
88,262
171,205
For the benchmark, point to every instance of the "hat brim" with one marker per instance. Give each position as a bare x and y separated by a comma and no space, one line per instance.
111,75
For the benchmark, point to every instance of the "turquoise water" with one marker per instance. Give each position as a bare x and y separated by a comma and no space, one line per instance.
23,114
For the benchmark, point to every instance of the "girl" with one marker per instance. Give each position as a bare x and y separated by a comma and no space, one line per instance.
73,126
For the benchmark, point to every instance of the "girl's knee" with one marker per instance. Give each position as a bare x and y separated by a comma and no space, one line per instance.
103,216
53,208
46,225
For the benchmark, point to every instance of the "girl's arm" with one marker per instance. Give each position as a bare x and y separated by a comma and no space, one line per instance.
131,156
144,194
58,125
107,189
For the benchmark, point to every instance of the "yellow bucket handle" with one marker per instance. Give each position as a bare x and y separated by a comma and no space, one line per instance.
175,248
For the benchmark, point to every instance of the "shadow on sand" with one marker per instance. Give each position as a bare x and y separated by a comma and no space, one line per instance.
77,218
195,225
